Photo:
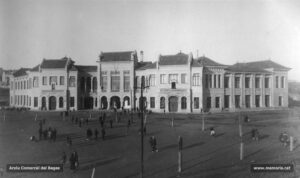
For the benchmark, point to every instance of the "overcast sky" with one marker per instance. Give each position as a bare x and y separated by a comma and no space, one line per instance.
226,31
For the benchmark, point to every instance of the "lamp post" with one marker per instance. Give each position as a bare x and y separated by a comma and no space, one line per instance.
142,123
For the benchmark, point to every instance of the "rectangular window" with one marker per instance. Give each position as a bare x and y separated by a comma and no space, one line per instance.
247,82
196,103
196,79
226,82
52,79
30,83
183,78
11,86
280,101
208,102
162,102
163,78
219,81
227,101
237,101
247,98
217,103
126,83
257,101
35,102
72,101
104,83
152,80
29,101
152,102
44,80
61,80
282,82
277,82
237,82
115,83
267,84
257,82
35,81
173,78
72,82
267,100
215,81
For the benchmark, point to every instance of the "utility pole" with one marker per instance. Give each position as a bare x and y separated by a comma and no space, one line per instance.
142,127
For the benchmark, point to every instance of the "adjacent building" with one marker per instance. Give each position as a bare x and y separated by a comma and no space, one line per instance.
174,83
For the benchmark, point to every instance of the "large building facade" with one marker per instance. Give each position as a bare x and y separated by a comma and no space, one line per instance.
174,83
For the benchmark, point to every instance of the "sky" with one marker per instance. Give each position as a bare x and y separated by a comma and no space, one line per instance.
227,31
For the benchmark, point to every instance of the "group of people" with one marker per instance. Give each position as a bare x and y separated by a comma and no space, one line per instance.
47,134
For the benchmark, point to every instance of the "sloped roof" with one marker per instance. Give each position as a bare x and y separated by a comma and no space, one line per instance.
257,66
178,59
20,72
244,67
54,63
267,64
36,68
205,61
150,65
86,68
116,56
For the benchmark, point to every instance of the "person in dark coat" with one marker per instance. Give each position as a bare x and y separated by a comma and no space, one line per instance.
69,141
154,144
96,134
79,123
76,159
72,161
54,134
103,133
102,123
40,133
63,158
76,120
111,123
89,134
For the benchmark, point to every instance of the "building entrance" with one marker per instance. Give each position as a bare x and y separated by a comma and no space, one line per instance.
52,103
173,104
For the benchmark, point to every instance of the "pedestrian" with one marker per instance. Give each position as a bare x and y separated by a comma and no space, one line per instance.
212,132
72,161
69,141
63,158
144,130
100,119
89,134
128,125
54,134
76,120
41,124
96,134
87,121
154,145
45,134
111,123
76,159
102,123
253,134
40,133
79,123
103,133
73,119
49,134
246,119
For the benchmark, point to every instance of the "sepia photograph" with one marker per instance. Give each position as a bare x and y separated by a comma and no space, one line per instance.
149,88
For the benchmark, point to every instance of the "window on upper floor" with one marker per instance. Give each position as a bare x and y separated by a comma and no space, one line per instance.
282,82
72,81
183,78
226,82
277,81
152,80
247,82
163,79
173,78
196,79
267,82
257,82
61,80
237,82
44,80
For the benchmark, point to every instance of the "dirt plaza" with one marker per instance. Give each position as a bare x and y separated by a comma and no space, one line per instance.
119,154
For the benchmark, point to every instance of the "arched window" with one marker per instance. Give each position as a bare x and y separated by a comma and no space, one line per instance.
183,103
162,102
61,102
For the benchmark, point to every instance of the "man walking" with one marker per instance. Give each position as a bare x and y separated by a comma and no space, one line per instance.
96,134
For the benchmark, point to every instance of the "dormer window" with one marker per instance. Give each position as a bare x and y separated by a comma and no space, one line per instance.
173,85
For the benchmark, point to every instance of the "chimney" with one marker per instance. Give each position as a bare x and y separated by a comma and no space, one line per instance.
142,55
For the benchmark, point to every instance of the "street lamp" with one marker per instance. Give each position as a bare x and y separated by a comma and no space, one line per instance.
142,123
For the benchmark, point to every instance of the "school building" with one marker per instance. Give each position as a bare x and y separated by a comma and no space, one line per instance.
174,83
